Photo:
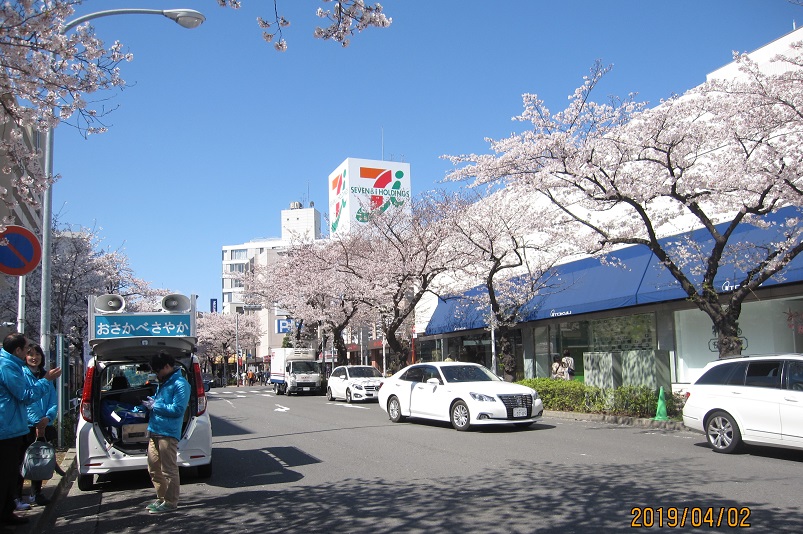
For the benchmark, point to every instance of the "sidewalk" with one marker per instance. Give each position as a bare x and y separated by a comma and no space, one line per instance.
52,489
615,419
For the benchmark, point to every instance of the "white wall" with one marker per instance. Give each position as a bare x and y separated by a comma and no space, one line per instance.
763,324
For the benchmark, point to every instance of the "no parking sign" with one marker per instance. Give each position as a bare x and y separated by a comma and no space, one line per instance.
20,251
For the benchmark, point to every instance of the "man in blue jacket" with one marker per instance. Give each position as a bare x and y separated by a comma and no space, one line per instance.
15,395
167,409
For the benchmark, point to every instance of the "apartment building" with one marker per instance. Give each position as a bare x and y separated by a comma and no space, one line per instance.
297,223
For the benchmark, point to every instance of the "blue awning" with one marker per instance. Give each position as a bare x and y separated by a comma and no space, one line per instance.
590,285
630,276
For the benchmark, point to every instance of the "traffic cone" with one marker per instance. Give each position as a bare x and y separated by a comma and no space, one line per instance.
660,411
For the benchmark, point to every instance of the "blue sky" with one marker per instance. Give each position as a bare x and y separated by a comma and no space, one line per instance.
218,132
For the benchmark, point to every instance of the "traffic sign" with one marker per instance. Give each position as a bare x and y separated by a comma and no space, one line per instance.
20,251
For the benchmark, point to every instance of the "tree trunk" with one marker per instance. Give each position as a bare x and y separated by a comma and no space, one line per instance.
340,346
726,324
728,341
399,352
506,358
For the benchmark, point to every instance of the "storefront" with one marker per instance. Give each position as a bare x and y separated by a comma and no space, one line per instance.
625,318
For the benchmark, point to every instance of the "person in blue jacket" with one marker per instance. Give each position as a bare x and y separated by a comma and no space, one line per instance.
41,415
166,417
15,395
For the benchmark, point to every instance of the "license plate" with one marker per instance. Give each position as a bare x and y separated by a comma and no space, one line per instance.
519,412
306,389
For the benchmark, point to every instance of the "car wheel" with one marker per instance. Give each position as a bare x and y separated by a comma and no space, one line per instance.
205,471
86,482
394,410
461,419
329,396
348,396
722,432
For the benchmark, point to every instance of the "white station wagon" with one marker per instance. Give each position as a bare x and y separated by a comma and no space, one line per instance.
753,400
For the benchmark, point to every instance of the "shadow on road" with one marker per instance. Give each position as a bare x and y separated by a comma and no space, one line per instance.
595,499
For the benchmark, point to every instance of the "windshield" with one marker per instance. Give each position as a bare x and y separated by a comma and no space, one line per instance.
305,367
467,373
365,372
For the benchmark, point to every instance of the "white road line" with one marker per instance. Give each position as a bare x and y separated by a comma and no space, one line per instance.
348,405
280,408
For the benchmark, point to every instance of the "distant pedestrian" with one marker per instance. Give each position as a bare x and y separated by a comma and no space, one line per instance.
15,395
166,408
569,361
555,371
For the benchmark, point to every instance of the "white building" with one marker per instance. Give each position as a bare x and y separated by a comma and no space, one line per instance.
298,223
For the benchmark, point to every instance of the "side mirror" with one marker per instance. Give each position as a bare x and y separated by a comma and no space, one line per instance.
434,382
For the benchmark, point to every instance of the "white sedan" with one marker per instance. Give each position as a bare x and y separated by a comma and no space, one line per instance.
354,383
464,393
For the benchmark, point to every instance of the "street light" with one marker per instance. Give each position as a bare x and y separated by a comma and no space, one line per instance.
186,18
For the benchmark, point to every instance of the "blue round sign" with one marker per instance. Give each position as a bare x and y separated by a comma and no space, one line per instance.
20,251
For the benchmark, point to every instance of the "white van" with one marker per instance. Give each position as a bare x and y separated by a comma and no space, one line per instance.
112,432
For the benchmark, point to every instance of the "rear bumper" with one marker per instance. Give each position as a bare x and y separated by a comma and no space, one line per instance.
96,456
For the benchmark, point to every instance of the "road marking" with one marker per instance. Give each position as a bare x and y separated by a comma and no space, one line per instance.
348,405
280,408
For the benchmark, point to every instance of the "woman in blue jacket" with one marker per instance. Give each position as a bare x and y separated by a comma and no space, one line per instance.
41,415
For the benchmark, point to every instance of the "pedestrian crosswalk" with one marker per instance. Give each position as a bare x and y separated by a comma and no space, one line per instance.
239,393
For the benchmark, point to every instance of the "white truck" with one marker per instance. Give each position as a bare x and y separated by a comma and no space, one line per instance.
294,371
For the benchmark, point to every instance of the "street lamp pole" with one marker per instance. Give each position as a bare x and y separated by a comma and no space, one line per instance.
186,18
237,344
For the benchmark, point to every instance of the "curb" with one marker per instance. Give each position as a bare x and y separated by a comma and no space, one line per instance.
616,419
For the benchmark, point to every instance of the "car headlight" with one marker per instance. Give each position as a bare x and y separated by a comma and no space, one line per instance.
535,396
482,398
357,386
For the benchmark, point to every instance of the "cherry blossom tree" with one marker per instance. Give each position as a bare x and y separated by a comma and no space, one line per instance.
724,155
398,256
511,260
346,18
307,283
218,335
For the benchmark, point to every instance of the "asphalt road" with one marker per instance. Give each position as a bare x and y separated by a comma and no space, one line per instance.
308,465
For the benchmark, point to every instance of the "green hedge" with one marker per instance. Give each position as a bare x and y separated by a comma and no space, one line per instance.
574,396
